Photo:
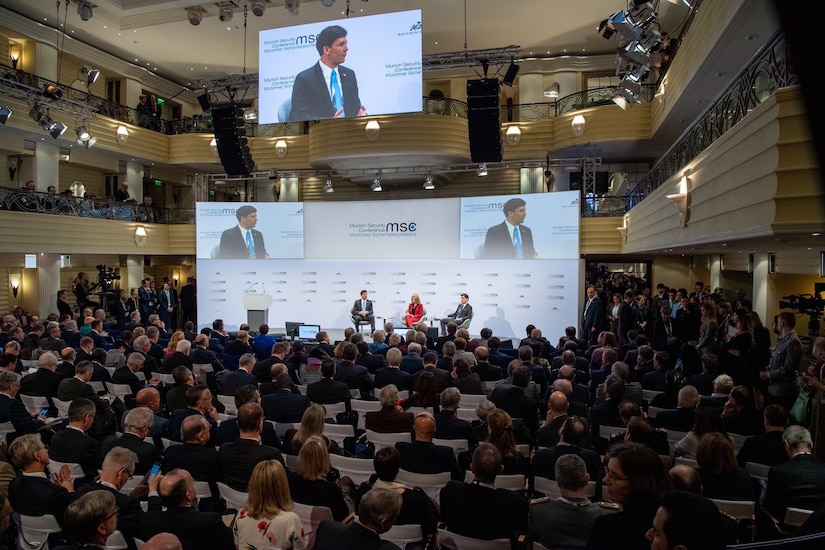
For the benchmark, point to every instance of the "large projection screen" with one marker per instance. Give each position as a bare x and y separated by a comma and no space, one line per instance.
381,67
432,247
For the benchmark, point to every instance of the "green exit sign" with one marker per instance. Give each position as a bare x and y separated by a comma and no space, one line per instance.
158,183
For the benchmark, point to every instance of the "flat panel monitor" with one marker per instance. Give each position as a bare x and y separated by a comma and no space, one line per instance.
308,332
292,329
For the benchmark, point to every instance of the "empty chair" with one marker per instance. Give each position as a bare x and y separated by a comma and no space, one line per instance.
337,432
739,509
33,531
358,469
458,445
381,440
234,499
120,390
62,407
228,401
311,516
429,483
458,542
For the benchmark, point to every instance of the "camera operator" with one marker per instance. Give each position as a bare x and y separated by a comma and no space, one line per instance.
81,289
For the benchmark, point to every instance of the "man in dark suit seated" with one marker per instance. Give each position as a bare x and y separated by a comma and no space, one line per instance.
73,445
118,467
126,375
478,509
327,391
391,418
512,399
233,380
497,358
228,430
44,381
681,419
392,373
181,356
200,459
136,428
202,356
767,448
798,483
196,530
443,380
657,380
198,402
12,409
485,370
422,456
373,361
238,458
33,493
362,311
573,434
376,514
607,414
354,376
412,362
557,406
176,396
283,405
447,424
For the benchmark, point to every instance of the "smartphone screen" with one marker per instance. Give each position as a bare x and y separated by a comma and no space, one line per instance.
155,469
43,411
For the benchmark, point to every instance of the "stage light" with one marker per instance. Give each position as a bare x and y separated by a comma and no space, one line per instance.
376,184
52,92
258,8
553,90
90,74
482,170
89,143
226,12
38,112
55,129
83,133
606,29
195,15
5,114
84,10
428,183
328,186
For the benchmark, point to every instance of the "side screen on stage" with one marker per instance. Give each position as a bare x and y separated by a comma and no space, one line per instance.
377,60
308,332
292,329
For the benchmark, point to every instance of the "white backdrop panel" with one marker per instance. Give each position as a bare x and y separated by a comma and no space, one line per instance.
426,228
506,296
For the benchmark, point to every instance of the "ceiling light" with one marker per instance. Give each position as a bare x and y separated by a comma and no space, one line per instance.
89,143
195,15
52,92
258,7
553,90
328,186
482,169
428,183
250,114
56,129
5,114
84,10
328,3
90,74
226,12
122,135
376,183
83,133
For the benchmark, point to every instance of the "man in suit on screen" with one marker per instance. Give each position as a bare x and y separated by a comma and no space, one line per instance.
243,241
327,89
510,240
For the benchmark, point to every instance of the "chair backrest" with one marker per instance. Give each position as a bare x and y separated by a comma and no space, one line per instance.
417,410
488,386
400,535
739,509
652,412
29,363
358,469
381,440
466,414
33,531
116,542
311,516
228,401
302,388
458,542
99,387
337,432
511,482
62,407
687,461
234,498
430,483
738,441
282,427
757,471
457,445
5,429
334,408
795,517
167,379
363,406
291,462
200,370
120,390
550,488
34,403
470,401
675,436
202,489
648,395
607,432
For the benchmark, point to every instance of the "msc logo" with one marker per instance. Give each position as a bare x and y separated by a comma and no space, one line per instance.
368,273
249,272
403,227
398,274
277,273
416,27
522,275
308,291
307,273
217,300
218,282
489,275
555,276
521,286
309,282
521,306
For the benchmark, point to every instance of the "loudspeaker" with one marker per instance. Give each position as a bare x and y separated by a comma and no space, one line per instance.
230,135
510,75
483,120
206,105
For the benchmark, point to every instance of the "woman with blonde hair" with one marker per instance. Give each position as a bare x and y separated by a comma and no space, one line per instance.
312,424
309,485
172,347
415,311
267,520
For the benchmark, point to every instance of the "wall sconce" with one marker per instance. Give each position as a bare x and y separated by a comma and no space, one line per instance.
513,135
577,126
681,201
14,54
140,236
213,146
122,135
373,130
280,148
623,229
14,282
175,277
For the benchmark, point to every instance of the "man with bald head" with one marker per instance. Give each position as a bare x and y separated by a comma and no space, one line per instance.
196,530
150,398
163,541
422,456
484,369
557,405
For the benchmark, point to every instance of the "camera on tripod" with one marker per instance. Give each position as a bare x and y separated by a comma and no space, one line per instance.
106,277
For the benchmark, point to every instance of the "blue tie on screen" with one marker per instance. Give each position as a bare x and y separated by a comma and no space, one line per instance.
249,244
337,96
517,241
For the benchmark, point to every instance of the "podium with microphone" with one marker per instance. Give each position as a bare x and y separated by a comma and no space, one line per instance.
256,305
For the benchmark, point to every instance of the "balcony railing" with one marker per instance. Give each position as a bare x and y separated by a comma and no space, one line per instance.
769,69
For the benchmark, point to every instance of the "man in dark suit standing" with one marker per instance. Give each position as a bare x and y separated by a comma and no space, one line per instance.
167,302
238,458
362,311
800,482
510,240
327,89
593,316
73,445
243,242
147,299
189,300
627,317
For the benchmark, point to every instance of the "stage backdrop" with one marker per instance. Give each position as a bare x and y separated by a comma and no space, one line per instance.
433,247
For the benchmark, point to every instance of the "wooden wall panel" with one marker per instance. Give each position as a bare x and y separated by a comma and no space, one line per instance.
92,178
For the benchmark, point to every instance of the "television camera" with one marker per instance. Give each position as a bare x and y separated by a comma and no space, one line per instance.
810,304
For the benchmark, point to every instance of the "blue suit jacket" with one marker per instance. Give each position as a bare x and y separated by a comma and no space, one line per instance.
311,99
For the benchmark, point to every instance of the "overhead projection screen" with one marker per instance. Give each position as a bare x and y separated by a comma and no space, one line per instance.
318,256
378,67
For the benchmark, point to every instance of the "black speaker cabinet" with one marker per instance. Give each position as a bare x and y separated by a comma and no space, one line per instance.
483,120
230,135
